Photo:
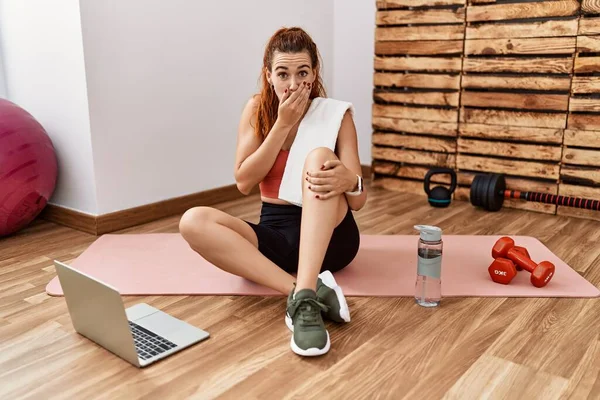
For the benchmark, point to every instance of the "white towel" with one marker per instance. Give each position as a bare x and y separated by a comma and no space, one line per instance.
319,128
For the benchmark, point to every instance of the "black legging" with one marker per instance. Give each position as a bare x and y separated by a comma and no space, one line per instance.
278,233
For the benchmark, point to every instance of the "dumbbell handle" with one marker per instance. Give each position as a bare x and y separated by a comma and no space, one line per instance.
547,198
521,260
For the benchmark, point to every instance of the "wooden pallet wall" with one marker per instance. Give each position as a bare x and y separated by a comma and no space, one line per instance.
580,169
516,92
416,96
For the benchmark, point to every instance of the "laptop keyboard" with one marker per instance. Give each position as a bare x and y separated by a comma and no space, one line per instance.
148,344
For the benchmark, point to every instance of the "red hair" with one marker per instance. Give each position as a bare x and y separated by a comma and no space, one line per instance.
285,40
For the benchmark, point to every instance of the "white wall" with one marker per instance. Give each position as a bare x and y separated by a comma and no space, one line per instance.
353,50
167,81
42,56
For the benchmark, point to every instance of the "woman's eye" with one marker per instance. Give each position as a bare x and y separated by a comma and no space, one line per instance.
282,75
303,73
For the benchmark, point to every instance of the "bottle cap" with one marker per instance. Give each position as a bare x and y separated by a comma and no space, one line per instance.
429,233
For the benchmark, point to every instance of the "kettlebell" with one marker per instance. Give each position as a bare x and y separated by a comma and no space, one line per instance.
440,196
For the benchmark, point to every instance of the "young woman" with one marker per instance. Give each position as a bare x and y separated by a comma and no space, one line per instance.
312,240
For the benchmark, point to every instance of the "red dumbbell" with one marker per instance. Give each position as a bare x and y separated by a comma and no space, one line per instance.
541,273
502,270
525,252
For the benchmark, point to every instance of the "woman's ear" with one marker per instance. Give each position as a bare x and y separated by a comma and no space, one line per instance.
268,75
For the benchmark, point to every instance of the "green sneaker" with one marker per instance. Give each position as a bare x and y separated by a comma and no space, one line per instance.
329,293
303,317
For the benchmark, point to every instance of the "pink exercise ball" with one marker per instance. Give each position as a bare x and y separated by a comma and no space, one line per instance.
28,168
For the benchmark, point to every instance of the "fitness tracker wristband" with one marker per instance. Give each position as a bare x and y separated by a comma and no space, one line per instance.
359,191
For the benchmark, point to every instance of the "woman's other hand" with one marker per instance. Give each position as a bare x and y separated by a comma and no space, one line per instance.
293,105
333,179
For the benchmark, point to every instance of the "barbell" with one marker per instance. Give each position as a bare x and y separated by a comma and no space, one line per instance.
488,191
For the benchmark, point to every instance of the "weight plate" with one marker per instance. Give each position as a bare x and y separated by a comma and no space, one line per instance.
478,190
478,196
471,191
491,192
473,195
498,193
484,190
495,191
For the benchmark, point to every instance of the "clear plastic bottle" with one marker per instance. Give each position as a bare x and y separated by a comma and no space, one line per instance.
428,288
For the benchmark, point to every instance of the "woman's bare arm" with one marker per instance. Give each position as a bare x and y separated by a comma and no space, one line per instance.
253,159
347,152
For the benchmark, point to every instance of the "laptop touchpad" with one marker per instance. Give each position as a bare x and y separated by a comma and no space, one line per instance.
171,328
162,324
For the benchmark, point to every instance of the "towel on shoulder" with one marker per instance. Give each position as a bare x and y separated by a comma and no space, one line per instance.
319,128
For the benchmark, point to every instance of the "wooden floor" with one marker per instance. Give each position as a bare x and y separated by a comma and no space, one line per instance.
467,348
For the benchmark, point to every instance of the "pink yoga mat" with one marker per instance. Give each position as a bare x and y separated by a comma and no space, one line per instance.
163,264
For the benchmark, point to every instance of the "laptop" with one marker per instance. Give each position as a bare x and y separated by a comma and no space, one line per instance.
140,334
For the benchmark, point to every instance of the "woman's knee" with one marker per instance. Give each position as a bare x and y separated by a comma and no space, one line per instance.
200,222
318,156
195,221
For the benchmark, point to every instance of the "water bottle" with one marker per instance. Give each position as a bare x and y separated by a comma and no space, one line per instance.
428,288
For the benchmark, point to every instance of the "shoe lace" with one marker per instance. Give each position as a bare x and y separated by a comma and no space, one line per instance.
309,310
